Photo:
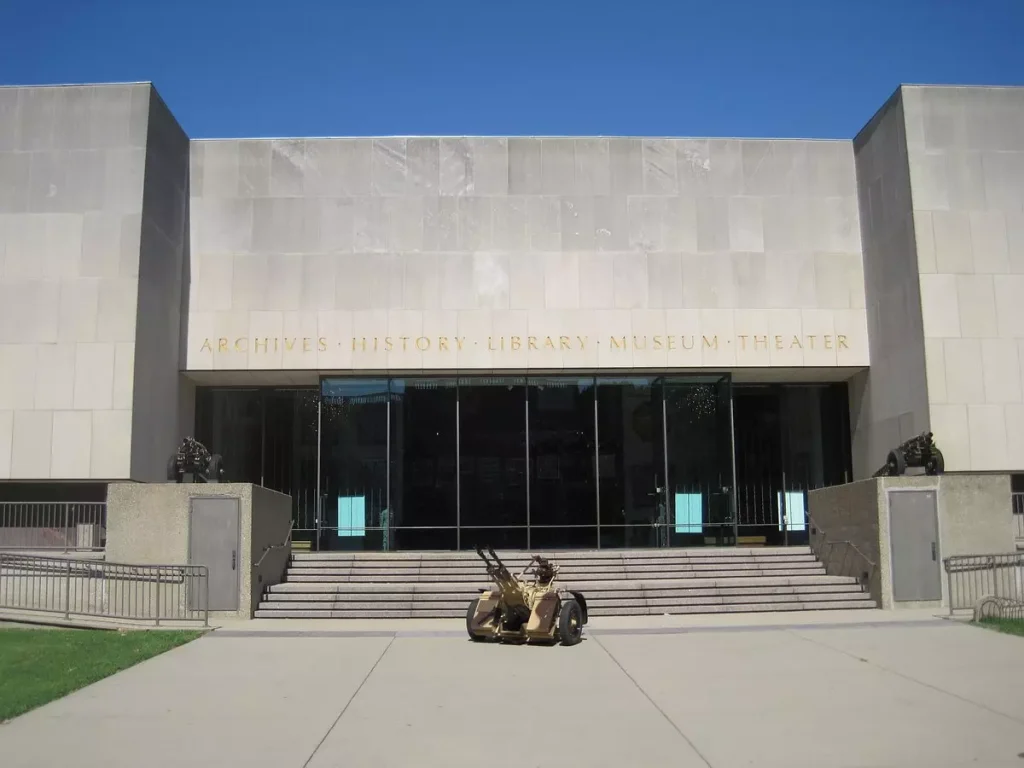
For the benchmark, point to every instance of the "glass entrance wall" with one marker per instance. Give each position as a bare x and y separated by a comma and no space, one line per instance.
543,462
420,463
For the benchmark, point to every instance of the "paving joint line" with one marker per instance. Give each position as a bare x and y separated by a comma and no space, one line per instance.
348,704
654,704
908,678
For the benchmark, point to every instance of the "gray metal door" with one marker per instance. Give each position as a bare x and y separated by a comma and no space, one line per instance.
914,545
213,542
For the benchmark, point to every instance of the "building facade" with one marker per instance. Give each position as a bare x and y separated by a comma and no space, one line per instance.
429,342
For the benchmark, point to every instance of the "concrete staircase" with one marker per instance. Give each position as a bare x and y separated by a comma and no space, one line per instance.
614,582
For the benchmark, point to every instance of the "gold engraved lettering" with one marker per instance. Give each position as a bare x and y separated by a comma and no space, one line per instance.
842,341
711,343
389,344
515,343
618,343
583,342
307,344
423,344
276,340
241,344
657,342
693,340
321,344
206,346
671,342
563,342
549,343
490,344
778,342
289,345
810,341
531,342
828,341
442,344
743,341
796,343
459,341
640,344
758,340
222,345
256,344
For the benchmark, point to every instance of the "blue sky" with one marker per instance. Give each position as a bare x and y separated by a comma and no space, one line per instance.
786,68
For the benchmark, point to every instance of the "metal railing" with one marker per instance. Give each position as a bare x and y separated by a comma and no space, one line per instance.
68,587
971,578
1017,500
841,557
53,525
273,547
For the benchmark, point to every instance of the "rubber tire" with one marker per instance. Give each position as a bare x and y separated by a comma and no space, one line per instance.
566,635
469,619
936,465
897,463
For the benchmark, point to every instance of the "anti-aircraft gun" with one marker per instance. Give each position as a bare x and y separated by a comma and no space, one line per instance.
527,607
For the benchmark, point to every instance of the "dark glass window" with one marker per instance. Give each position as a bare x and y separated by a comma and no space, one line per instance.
354,510
492,462
424,482
563,477
631,464
545,462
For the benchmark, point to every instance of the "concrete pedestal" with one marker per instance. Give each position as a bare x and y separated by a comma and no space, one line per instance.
973,511
149,524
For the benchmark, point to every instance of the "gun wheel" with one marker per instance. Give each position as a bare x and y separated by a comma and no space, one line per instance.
570,623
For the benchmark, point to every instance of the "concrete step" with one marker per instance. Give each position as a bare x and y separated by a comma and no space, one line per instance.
597,584
615,582
634,610
563,556
583,578
592,596
318,566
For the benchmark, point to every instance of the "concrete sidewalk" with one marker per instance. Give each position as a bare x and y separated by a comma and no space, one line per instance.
892,690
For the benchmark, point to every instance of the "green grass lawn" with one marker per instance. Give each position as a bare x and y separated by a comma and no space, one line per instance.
40,665
1009,626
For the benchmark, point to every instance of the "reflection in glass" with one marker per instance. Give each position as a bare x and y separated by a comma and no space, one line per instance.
424,441
563,487
492,460
353,465
631,465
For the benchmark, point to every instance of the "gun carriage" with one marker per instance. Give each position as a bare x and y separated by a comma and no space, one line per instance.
527,608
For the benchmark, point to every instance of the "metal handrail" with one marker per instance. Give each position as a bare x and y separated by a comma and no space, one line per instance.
972,578
815,529
271,547
101,589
